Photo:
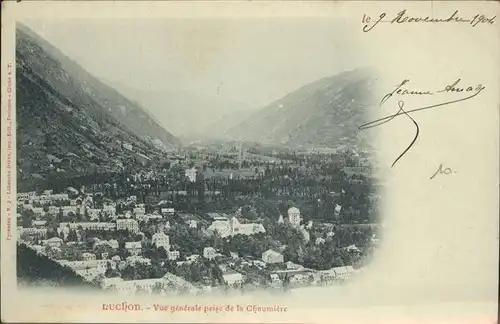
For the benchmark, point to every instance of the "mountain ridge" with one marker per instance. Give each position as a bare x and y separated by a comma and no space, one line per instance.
326,112
64,124
90,90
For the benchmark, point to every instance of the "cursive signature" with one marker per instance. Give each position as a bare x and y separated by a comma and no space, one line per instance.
399,90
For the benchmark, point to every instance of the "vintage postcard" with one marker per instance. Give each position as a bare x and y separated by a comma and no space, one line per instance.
250,162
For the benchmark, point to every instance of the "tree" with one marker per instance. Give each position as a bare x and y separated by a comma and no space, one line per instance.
25,237
97,281
103,248
157,288
51,232
139,290
72,236
27,217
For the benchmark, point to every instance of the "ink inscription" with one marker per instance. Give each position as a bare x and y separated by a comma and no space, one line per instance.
402,90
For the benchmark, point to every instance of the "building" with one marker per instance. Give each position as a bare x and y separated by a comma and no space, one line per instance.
246,229
232,278
127,224
271,257
233,227
127,146
173,255
192,223
218,216
39,223
193,257
82,265
42,200
88,256
38,211
209,253
280,219
60,196
222,227
149,217
23,196
107,283
53,242
320,241
90,274
301,278
167,211
275,279
139,211
66,210
95,226
337,210
353,248
191,174
109,209
146,285
72,191
161,240
138,259
134,248
93,213
338,273
113,244
293,266
173,280
294,216
32,231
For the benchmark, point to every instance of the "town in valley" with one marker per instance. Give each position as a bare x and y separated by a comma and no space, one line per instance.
210,218
139,190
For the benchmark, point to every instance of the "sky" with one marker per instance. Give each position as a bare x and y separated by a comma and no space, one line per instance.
254,61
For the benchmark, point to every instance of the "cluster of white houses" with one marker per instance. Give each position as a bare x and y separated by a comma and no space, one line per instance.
90,265
129,287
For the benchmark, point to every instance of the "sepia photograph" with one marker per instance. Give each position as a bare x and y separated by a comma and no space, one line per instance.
194,157
250,162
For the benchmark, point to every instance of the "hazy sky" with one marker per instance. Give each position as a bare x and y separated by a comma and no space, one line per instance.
253,61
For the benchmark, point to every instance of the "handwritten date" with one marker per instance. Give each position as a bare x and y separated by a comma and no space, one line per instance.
402,17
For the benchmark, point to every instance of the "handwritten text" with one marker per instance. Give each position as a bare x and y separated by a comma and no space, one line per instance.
403,17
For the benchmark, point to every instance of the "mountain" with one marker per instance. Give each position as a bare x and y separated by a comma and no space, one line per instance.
324,113
221,126
184,113
70,122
